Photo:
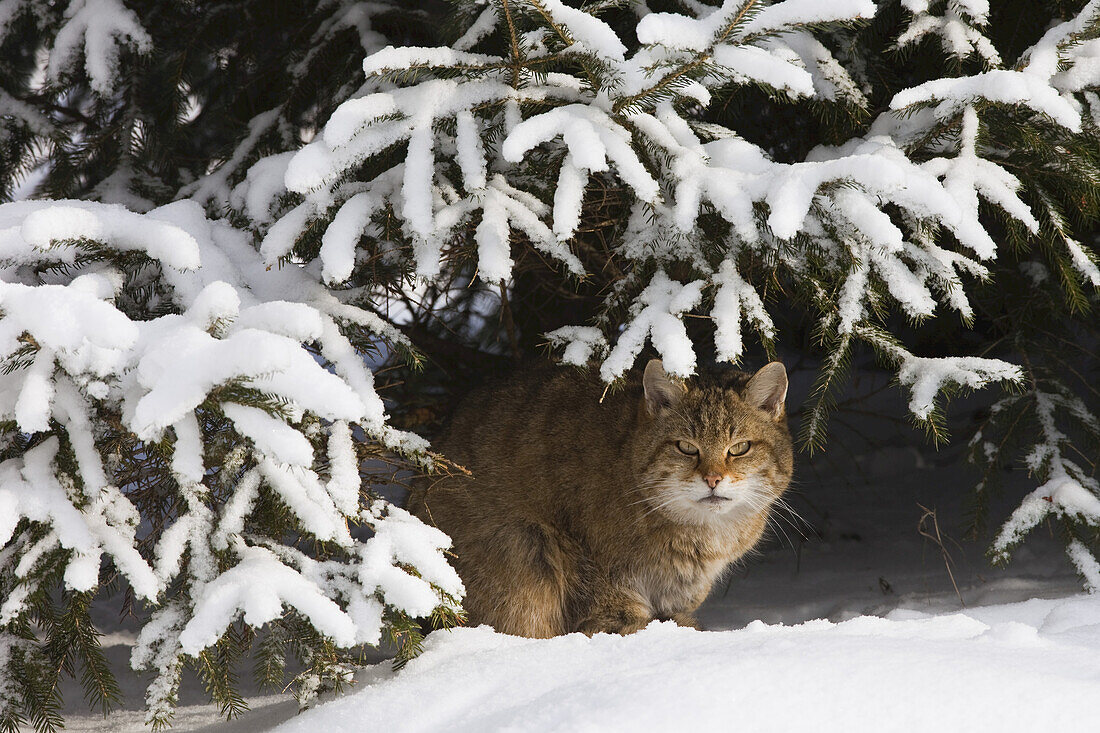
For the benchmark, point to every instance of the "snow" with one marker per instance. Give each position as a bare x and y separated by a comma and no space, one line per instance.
657,314
258,587
908,671
34,492
283,235
756,64
353,114
86,333
1086,564
926,376
1067,489
296,321
417,184
257,188
734,301
1086,265
580,343
569,197
263,184
364,126
397,587
506,205
879,168
344,484
471,152
591,138
959,28
754,43
831,80
236,323
270,435
589,33
679,31
479,29
101,27
1062,57
794,12
303,494
236,509
46,222
25,113
181,368
341,237
1001,85
157,647
733,176
412,543
966,175
32,408
493,240
401,58
29,488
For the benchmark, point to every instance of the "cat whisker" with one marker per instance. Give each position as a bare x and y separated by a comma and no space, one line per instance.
779,526
644,500
663,504
786,514
647,484
657,482
791,512
778,520
662,501
784,505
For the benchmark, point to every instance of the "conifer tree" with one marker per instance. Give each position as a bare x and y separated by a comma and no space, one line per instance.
224,212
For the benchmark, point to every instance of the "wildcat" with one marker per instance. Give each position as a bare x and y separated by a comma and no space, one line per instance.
600,516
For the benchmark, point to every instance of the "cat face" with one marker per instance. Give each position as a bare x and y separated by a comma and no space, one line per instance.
714,449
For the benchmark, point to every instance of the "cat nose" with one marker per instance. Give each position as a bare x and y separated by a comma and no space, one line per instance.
712,479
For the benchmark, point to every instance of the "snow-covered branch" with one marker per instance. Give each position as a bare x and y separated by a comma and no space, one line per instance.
1067,490
261,354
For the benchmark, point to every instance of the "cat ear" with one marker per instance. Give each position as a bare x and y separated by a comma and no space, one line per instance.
768,389
662,392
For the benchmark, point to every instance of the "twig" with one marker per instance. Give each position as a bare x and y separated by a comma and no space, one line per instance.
509,323
930,514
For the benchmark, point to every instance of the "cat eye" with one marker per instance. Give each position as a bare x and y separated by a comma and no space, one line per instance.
741,448
686,448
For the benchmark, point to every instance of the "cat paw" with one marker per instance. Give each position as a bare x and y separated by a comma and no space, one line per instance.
614,625
687,620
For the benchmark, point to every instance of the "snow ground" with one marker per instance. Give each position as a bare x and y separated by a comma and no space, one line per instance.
898,650
1021,667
